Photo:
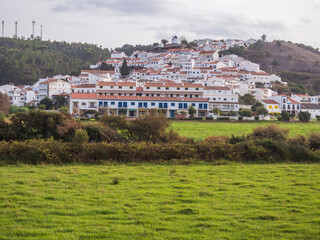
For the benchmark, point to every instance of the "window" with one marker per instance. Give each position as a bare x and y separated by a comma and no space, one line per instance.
125,104
193,104
133,103
148,87
140,104
298,106
105,104
120,87
185,105
160,105
153,104
196,95
101,86
225,99
92,105
197,88
100,104
111,87
205,106
165,105
167,88
158,87
131,87
186,88
180,105
178,88
145,104
173,104
119,104
200,105
113,103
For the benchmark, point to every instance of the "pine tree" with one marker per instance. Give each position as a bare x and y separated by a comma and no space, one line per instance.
124,70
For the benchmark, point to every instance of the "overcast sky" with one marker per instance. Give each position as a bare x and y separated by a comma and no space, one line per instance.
112,23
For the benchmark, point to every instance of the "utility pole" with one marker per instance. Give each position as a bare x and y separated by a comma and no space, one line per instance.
2,28
33,23
41,32
16,30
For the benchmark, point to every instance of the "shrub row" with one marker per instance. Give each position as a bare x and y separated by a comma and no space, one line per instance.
57,152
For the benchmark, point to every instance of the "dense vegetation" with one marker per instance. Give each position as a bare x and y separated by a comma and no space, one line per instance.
128,49
25,61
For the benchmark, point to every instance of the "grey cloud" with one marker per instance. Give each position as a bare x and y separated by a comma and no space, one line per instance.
127,7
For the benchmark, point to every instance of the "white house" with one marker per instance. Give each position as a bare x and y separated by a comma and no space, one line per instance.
311,108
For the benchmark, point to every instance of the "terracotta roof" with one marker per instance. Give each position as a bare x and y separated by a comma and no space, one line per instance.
293,101
173,85
97,71
85,86
206,52
137,98
259,74
215,88
270,102
83,96
224,102
126,84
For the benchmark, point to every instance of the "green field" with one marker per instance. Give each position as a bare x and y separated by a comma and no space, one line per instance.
160,202
200,130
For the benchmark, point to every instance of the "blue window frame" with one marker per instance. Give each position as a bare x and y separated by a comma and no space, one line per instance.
133,103
125,104
193,104
145,104
153,104
140,104
100,104
200,105
165,105
173,104
205,106
105,104
113,103
160,105
180,105
185,105
119,104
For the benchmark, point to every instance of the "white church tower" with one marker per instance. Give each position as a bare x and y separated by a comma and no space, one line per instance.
175,40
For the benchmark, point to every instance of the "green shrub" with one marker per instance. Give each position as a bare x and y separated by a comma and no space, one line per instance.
273,132
314,141
209,118
299,140
285,116
304,116
256,118
15,109
81,136
240,118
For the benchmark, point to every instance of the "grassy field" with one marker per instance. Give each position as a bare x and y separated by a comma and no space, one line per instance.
200,130
160,202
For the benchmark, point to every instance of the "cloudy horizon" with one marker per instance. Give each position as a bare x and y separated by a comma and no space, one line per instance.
113,23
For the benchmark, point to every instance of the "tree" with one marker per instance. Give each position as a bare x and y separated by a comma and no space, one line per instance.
256,105
164,42
191,111
60,101
285,116
264,37
245,113
103,66
155,44
47,102
4,103
124,70
304,116
216,111
261,111
247,99
64,109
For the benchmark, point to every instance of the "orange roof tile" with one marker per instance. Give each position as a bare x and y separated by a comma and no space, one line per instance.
83,96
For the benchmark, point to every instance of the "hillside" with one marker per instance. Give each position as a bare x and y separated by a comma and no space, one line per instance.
25,61
296,63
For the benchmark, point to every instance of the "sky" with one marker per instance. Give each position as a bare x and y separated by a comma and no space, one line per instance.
112,23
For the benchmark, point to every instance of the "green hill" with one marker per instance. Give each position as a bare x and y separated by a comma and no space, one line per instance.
297,64
25,61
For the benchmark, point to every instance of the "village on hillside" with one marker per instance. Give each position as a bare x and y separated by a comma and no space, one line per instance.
173,79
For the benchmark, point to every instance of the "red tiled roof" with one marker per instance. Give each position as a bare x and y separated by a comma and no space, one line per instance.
127,84
173,85
293,101
85,86
83,96
128,98
216,88
270,102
